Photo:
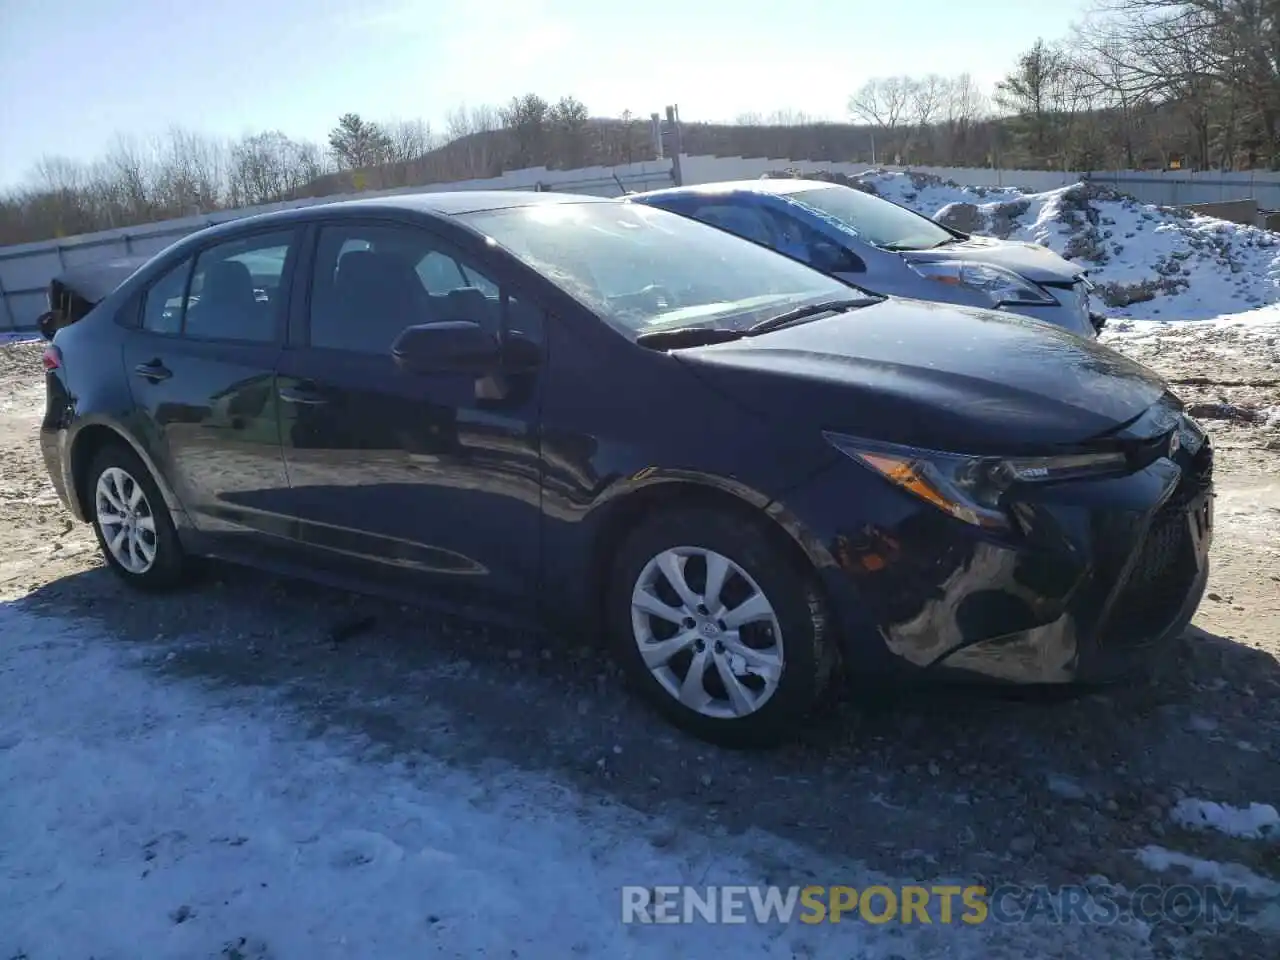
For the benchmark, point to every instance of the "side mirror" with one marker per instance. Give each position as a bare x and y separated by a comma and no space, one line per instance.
831,258
1098,321
447,346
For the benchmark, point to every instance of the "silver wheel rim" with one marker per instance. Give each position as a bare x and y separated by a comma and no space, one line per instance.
124,516
707,632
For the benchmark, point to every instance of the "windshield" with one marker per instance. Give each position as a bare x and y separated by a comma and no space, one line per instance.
877,221
643,269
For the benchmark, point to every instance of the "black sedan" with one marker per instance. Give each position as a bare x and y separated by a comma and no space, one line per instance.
594,415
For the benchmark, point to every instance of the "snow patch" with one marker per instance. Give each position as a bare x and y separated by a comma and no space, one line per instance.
1225,875
1253,822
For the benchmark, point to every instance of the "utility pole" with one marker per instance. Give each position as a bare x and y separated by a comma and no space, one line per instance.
677,147
655,134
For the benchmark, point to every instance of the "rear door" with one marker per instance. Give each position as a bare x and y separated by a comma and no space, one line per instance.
201,365
430,480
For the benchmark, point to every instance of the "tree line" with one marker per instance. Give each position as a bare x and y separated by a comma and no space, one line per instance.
1140,84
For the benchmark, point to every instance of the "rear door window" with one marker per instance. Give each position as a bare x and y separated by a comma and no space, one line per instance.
238,291
739,218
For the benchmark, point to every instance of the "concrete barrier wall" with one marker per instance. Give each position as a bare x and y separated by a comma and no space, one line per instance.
1236,211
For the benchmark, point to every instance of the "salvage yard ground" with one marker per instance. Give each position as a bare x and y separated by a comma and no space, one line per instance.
225,773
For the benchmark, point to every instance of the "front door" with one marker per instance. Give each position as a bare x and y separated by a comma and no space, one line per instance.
432,479
201,367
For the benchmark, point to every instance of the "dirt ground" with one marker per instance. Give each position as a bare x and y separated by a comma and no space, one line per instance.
1006,789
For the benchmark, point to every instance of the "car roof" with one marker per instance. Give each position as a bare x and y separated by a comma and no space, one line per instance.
777,186
450,203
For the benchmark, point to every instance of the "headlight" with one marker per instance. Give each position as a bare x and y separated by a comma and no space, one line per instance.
1190,434
969,488
1001,285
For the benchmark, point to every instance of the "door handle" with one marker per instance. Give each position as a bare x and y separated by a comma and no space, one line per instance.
296,395
153,370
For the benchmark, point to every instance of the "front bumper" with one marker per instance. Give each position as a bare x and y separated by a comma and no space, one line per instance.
1102,575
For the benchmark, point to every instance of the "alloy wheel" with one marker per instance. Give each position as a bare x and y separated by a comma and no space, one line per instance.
707,632
125,518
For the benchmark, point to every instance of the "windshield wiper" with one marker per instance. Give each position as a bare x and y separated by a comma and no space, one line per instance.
674,338
808,313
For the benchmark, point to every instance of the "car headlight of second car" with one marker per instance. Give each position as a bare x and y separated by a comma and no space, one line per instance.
969,488
1004,287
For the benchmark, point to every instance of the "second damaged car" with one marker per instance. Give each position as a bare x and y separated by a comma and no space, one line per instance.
749,479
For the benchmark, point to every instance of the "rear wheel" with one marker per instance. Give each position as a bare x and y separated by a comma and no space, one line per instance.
132,523
718,628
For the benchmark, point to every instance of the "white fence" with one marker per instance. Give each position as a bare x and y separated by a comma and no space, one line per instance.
26,269
1165,187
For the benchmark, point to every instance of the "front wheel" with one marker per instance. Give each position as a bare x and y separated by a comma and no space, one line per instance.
132,523
718,628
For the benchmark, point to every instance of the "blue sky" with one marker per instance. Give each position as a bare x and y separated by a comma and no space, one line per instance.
73,73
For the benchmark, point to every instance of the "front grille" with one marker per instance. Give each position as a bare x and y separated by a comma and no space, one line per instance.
1165,566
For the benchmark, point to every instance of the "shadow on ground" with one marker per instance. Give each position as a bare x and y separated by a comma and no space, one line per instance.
930,783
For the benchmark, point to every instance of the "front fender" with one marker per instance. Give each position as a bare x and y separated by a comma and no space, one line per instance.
578,555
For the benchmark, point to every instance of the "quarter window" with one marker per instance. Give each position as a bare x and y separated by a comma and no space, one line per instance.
162,308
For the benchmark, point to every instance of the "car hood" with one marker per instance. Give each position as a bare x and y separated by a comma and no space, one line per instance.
1036,263
933,375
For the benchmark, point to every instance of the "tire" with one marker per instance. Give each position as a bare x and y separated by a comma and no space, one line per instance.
118,469
793,622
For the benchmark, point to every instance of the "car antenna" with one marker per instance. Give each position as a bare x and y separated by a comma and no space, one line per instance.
625,191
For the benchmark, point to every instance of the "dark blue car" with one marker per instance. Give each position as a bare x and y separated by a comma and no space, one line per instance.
747,478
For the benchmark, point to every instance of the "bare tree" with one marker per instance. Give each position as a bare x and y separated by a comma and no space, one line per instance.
1214,64
884,103
788,117
268,167
963,107
471,149
189,173
407,140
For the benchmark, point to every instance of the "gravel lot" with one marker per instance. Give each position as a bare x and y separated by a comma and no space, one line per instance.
1004,788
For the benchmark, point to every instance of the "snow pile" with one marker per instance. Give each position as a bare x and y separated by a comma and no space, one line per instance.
1253,822
1149,262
